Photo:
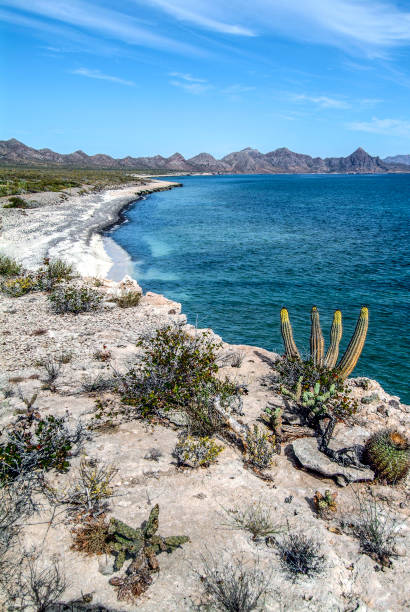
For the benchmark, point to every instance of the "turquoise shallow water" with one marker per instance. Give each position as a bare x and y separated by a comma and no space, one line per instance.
235,249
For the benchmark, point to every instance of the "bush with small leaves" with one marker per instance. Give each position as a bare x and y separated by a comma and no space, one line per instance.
71,299
259,449
196,452
128,298
9,267
234,586
388,453
301,556
19,285
35,443
52,273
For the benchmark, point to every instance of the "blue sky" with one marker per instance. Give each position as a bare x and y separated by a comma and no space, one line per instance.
157,76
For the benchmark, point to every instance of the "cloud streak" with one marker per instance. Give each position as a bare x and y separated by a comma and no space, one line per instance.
397,127
370,26
321,101
106,22
96,74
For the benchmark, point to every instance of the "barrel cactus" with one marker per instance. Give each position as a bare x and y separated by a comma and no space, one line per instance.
388,453
349,360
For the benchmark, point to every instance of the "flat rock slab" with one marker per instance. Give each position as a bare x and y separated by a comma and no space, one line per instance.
308,454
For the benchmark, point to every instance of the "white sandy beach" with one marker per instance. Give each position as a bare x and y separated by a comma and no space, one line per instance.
70,230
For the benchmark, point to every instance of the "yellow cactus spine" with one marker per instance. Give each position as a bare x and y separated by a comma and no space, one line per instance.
317,343
287,335
335,337
353,351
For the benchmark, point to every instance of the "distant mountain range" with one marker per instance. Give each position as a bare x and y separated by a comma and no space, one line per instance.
247,161
398,159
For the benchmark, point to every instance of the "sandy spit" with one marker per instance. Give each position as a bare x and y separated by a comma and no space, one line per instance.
69,228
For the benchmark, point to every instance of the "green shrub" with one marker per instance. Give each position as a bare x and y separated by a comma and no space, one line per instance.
255,517
128,298
9,267
174,368
388,453
18,286
52,273
37,443
74,299
196,452
259,448
16,202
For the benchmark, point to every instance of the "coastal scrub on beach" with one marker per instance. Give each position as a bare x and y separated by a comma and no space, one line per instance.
221,438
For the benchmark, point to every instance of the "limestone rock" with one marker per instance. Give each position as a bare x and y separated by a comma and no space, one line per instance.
308,454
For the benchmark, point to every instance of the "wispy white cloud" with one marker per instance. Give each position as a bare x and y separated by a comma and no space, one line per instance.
237,90
321,101
371,26
200,14
195,88
186,77
397,127
96,74
110,23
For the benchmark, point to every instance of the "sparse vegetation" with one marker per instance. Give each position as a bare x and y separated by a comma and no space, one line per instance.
128,298
103,354
234,586
99,383
16,202
259,449
388,453
197,452
52,273
19,285
154,454
90,537
71,299
254,517
9,267
376,527
300,556
53,369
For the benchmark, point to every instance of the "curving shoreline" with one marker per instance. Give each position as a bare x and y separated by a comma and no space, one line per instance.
70,227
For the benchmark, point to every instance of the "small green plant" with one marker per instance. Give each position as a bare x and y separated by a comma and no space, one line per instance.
37,443
197,452
52,273
128,298
388,453
18,286
255,517
71,299
9,267
259,449
16,202
325,504
300,556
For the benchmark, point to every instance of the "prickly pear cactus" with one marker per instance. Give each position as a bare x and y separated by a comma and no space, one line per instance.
388,453
325,504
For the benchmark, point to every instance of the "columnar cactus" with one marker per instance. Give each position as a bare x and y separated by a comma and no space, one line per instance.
350,358
317,343
348,362
287,335
335,337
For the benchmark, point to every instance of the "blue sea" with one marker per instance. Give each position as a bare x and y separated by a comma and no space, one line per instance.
235,249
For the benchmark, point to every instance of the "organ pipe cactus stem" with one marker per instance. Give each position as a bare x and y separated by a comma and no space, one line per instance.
353,351
317,343
287,335
335,337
